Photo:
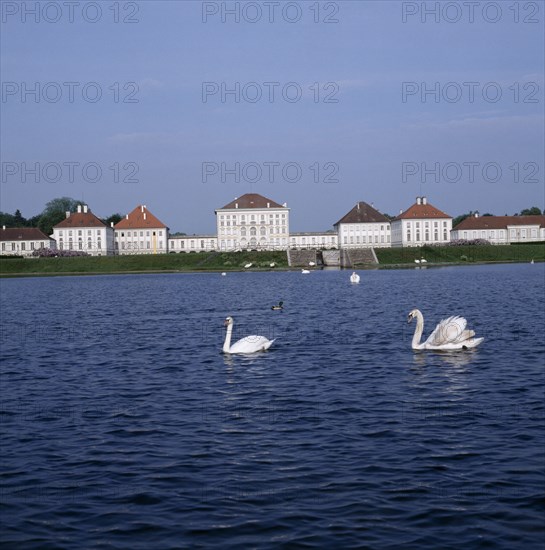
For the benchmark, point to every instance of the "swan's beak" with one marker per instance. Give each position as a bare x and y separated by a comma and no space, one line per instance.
409,318
226,322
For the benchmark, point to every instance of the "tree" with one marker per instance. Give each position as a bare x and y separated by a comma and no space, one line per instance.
117,217
18,220
534,211
461,218
54,212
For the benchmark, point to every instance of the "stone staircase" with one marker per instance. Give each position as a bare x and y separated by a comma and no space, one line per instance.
355,257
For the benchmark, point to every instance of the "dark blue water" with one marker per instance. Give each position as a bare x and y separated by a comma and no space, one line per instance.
123,426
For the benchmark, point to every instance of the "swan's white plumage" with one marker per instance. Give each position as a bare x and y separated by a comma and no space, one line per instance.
305,271
354,278
449,334
248,344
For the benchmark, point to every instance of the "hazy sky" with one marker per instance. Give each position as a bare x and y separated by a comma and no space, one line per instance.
317,104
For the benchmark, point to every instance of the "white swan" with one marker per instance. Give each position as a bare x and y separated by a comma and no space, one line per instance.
417,261
249,344
311,264
305,271
223,274
354,278
449,334
247,266
424,261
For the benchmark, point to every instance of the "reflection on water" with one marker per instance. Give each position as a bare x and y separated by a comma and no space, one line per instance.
451,359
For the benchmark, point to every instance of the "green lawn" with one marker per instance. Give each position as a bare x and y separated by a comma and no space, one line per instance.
462,254
145,263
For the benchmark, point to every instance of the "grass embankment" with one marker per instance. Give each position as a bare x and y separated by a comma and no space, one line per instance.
146,263
462,254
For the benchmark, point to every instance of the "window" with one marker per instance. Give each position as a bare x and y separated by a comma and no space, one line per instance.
141,233
79,232
32,246
88,232
23,246
12,246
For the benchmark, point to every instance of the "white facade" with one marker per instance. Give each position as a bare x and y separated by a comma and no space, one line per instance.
421,224
84,232
141,241
313,240
193,243
23,241
364,235
252,223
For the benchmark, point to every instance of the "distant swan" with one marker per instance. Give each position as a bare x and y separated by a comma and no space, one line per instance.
249,344
449,334
305,271
354,278
278,307
417,261
311,264
223,274
247,266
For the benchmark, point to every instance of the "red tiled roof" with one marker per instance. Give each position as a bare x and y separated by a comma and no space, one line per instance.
363,213
23,234
80,219
498,222
135,220
421,212
252,200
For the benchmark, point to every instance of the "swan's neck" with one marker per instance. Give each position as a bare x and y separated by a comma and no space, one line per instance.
418,331
227,343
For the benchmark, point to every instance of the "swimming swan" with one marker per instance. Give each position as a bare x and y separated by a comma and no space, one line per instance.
354,278
449,334
249,344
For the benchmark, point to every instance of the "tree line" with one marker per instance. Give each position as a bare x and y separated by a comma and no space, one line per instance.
53,213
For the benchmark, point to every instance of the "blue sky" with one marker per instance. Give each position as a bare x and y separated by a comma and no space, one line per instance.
374,142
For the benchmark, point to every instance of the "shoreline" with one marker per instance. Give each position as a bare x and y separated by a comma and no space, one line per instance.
257,269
